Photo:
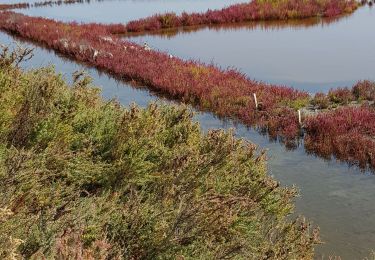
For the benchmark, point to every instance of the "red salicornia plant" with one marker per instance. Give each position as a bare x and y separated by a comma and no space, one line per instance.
364,90
348,133
13,6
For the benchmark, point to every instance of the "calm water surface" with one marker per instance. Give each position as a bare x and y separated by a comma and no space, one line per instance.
337,198
121,11
314,55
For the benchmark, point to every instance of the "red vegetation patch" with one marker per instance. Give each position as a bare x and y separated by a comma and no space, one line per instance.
13,6
341,96
348,133
364,90
254,11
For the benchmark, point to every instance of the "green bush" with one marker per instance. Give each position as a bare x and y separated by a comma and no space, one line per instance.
80,177
321,101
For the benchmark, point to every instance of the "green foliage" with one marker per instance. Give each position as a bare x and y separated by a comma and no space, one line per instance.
298,103
81,177
321,101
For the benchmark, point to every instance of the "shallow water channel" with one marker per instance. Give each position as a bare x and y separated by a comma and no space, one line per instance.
312,55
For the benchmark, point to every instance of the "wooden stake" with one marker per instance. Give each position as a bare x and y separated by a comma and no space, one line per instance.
256,101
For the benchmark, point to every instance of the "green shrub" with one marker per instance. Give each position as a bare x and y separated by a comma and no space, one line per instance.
81,177
321,101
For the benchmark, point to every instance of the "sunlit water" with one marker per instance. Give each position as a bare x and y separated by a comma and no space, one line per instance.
335,197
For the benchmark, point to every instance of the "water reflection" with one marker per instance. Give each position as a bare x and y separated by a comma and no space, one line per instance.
314,55
122,11
269,26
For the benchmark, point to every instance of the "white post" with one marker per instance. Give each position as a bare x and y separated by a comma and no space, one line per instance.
299,117
256,101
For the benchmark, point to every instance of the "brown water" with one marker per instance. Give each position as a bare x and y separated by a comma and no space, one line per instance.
337,198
